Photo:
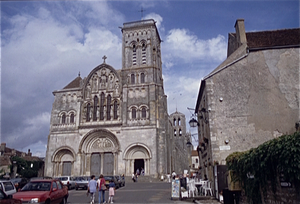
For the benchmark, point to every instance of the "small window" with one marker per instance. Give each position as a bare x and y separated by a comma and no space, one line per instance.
102,98
115,110
143,112
132,79
196,160
88,110
63,119
133,113
95,108
72,118
180,132
108,117
174,122
142,78
175,133
179,121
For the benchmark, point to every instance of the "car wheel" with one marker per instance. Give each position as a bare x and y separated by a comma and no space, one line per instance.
47,202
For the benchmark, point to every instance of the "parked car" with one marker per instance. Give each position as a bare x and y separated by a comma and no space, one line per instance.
108,179
8,199
68,181
43,191
8,187
19,182
81,182
121,180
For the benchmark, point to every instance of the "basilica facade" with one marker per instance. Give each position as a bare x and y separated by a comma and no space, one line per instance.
114,121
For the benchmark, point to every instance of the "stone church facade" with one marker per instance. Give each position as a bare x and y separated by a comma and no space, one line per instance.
114,121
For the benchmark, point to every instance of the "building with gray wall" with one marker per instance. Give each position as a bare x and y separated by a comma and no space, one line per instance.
252,97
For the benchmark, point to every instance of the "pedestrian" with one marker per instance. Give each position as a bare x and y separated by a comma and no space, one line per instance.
133,177
143,172
111,191
173,175
102,188
92,187
138,172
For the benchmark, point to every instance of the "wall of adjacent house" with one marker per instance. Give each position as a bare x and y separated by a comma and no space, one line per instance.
254,100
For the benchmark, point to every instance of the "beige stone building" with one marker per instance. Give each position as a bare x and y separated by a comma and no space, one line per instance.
252,97
114,121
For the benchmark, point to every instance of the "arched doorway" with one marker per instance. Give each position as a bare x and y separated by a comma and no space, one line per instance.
99,153
137,156
63,160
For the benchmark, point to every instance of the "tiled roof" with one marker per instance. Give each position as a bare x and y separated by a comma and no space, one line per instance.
286,37
194,153
74,84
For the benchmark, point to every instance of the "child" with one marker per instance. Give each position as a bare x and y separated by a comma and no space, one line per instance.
111,191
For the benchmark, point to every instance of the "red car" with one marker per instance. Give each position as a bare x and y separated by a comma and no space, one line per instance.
7,199
44,191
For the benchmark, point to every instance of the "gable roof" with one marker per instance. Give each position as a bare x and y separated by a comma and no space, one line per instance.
74,84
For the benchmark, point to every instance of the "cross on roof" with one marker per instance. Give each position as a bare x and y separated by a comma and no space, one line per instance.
142,11
104,58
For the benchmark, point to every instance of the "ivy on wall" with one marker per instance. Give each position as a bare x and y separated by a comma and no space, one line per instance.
26,169
268,163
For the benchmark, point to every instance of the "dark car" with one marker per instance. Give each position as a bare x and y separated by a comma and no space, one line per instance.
43,191
8,199
108,179
19,182
81,182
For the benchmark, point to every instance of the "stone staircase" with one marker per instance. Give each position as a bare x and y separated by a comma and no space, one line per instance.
143,179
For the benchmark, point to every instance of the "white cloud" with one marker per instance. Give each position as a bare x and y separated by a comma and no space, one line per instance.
182,44
157,18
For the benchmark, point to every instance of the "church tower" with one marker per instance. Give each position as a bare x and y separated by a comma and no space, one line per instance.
144,101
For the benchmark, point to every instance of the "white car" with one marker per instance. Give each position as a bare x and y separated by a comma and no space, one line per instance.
68,181
7,187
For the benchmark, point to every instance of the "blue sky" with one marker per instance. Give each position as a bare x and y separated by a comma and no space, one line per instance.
45,44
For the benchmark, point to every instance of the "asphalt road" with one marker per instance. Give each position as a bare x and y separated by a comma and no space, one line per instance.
159,192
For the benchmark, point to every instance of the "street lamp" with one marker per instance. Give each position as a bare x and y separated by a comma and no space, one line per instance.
193,122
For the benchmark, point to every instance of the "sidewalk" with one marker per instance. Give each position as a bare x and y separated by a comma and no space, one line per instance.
208,200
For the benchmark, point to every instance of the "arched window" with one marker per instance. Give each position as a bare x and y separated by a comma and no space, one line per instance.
63,119
133,113
115,110
108,117
134,55
143,53
102,98
95,108
88,110
175,133
180,132
179,122
132,79
142,78
72,118
143,112
174,122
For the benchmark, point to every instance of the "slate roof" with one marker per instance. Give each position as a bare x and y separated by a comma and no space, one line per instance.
273,38
74,84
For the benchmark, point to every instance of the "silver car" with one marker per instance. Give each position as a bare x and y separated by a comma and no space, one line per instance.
7,187
67,181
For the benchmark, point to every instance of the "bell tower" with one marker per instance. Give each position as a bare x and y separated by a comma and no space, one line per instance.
141,73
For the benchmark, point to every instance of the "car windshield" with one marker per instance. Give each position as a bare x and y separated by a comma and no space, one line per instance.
37,186
108,178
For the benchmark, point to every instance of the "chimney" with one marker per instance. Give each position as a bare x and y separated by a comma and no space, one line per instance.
240,32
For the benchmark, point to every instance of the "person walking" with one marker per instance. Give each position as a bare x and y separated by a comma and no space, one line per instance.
92,187
111,191
133,177
102,188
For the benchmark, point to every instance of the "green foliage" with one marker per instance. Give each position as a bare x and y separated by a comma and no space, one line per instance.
24,167
256,167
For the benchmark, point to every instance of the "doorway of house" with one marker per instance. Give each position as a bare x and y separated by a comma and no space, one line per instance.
139,164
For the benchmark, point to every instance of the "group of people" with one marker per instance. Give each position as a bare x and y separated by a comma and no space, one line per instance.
137,174
99,185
